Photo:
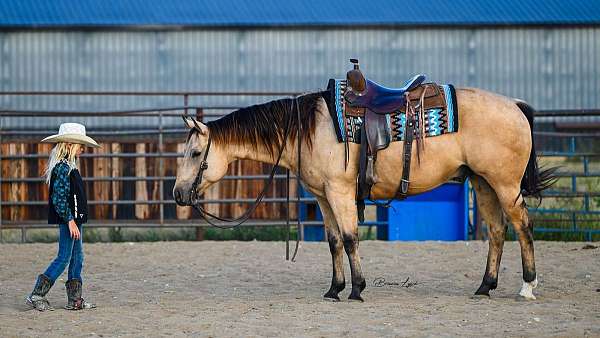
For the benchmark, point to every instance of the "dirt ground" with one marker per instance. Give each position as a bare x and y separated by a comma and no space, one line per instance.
248,289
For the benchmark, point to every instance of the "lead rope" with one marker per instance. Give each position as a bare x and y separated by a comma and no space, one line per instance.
298,180
206,215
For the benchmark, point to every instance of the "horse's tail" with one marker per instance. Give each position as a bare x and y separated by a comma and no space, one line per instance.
535,179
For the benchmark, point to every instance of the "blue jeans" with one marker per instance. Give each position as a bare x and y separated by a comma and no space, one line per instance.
70,252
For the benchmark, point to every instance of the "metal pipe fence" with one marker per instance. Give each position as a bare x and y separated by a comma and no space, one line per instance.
157,135
576,200
567,146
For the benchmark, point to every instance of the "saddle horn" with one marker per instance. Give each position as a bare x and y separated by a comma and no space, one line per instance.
356,79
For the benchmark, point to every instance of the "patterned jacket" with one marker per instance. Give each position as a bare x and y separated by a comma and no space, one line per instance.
67,199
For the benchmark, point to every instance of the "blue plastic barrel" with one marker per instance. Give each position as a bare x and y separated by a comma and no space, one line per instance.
440,214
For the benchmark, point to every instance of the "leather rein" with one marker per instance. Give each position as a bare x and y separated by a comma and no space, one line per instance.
210,217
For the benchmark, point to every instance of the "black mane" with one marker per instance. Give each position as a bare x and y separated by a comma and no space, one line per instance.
264,124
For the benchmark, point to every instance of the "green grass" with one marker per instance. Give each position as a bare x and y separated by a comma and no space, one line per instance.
164,234
93,235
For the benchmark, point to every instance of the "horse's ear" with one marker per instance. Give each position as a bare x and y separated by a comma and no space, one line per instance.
200,127
189,122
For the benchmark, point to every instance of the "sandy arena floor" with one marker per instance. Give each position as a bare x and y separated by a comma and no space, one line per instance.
248,289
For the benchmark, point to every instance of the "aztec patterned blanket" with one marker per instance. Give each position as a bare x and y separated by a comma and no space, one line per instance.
440,114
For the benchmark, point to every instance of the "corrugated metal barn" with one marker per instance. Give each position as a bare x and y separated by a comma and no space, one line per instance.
541,51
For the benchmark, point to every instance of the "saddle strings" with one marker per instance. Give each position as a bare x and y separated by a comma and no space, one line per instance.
412,116
418,118
420,128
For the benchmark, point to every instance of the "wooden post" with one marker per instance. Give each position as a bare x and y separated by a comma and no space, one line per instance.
212,193
237,190
252,188
18,191
4,188
161,167
115,172
41,188
101,168
1,199
156,189
32,172
142,211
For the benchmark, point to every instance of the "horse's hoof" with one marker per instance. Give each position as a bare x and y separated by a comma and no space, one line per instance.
487,284
527,290
334,290
355,297
362,285
331,296
483,291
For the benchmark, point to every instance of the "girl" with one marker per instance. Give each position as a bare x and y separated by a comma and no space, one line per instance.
67,207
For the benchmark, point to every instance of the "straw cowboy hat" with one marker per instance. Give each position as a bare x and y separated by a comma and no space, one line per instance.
71,133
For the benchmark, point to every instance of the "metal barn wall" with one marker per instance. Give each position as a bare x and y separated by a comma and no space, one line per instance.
552,68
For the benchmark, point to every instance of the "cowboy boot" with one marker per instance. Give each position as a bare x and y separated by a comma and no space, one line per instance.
75,302
37,299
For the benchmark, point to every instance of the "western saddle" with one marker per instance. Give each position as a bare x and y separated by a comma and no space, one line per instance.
372,102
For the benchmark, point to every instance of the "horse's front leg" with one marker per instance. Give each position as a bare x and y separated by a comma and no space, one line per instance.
343,205
336,247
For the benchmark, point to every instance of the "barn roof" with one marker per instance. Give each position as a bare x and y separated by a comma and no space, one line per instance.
261,13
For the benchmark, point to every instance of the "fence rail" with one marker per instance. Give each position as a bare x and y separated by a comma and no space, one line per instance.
156,134
568,146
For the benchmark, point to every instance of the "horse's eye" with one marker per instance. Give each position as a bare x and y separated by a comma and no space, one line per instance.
196,153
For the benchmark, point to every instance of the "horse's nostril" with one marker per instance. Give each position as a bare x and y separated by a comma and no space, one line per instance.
177,195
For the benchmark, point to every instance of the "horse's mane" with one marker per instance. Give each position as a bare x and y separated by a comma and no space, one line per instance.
264,124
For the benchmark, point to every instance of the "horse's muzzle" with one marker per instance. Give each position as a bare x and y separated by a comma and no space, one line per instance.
182,198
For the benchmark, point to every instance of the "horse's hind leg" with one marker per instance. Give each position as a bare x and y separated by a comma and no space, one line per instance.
514,206
336,247
491,211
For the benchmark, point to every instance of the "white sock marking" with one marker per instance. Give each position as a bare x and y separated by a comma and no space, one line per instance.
527,289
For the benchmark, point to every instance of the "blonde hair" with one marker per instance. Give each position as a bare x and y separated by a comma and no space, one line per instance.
66,152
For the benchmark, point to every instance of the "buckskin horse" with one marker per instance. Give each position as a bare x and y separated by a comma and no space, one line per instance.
493,148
